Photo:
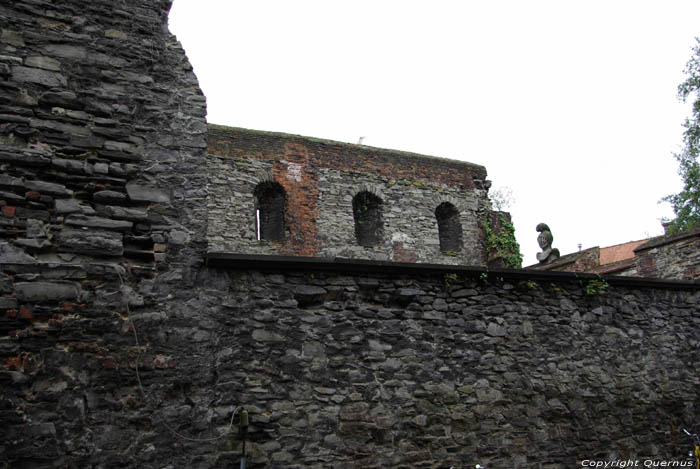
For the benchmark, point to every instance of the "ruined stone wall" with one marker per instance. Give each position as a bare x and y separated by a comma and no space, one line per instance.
102,209
673,257
321,178
119,347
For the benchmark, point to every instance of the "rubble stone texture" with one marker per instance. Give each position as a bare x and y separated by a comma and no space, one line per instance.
675,257
121,347
324,182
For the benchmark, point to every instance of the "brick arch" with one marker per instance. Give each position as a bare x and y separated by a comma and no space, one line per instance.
442,198
373,189
263,175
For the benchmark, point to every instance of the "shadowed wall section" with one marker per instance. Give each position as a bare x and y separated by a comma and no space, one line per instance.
127,339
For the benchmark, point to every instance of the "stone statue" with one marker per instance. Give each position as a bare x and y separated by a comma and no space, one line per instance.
544,239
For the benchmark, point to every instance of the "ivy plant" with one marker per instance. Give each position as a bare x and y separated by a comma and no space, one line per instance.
504,243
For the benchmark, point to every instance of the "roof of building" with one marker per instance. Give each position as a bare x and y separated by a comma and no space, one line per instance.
614,267
619,252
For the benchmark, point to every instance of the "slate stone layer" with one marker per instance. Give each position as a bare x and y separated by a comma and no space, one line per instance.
102,209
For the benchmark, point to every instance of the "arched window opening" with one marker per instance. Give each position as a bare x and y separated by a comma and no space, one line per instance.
367,211
270,202
449,227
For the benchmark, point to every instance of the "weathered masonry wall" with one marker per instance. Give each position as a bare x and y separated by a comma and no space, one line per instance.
102,208
455,368
321,178
356,365
102,133
121,347
670,257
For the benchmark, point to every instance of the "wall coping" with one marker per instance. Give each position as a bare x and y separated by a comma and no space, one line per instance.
343,265
231,131
665,239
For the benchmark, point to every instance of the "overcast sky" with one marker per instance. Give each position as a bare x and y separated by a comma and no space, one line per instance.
571,105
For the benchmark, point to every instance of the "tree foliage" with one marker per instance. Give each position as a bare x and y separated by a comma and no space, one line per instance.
502,198
686,204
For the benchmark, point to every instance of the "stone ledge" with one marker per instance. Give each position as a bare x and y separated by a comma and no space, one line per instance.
288,263
663,240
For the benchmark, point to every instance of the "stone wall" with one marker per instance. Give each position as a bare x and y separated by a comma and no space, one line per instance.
362,365
454,368
676,257
120,347
102,208
583,261
321,178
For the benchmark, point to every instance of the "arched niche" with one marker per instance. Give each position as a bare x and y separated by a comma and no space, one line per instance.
449,227
367,212
270,203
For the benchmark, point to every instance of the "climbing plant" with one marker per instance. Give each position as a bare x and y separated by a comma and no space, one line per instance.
596,287
503,242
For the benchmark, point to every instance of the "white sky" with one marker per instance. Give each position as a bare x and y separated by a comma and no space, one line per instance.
570,104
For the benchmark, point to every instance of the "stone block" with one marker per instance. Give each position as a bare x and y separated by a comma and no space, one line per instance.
45,291
464,292
11,197
140,192
496,330
47,63
115,34
12,38
110,197
262,335
61,127
99,222
50,188
69,166
124,213
64,99
308,295
39,76
178,238
12,255
91,242
25,157
66,51
65,206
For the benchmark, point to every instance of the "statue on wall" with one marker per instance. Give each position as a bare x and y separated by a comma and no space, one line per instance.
544,239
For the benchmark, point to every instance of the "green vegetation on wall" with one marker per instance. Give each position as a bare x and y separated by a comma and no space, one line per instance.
503,242
596,287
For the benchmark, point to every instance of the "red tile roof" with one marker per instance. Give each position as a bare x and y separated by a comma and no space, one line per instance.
619,252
